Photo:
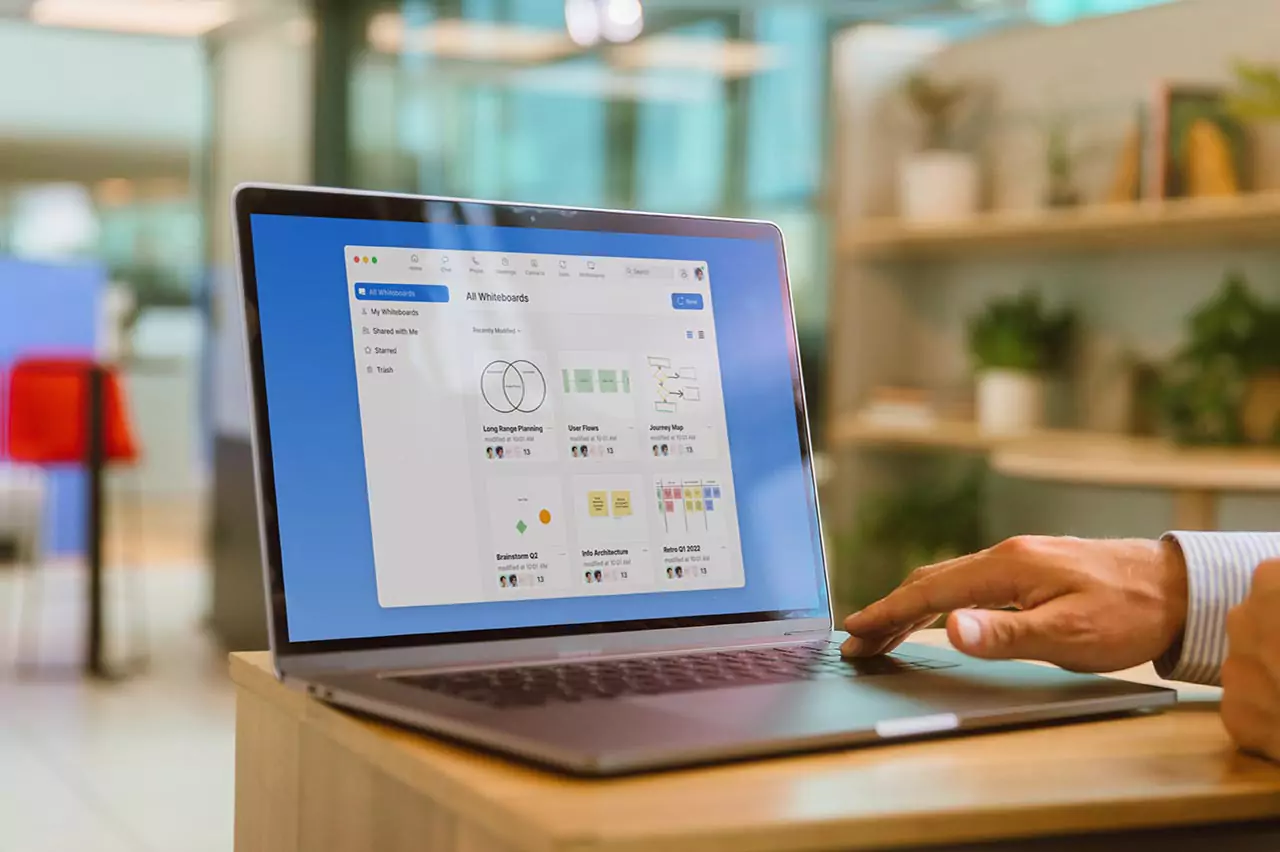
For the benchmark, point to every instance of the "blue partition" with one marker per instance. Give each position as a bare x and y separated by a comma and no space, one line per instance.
51,309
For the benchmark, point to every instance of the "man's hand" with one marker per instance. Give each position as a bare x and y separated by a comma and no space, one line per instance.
1251,675
1084,605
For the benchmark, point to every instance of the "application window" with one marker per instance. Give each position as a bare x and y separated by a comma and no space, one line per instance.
540,425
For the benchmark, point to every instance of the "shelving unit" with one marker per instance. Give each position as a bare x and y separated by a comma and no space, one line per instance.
1251,220
903,292
1196,477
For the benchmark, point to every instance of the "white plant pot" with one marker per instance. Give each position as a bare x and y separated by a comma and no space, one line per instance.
938,186
1010,402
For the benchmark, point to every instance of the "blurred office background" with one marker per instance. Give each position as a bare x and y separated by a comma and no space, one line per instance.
1033,250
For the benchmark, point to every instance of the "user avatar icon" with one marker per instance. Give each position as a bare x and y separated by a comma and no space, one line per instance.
670,573
513,580
700,273
498,451
679,571
488,451
574,451
666,450
655,451
587,575
502,581
599,577
582,451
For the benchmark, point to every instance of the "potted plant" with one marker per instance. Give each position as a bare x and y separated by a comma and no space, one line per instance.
1223,386
1260,413
1060,166
940,182
1014,343
1200,402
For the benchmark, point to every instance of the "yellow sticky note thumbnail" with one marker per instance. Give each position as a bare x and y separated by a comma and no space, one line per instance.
598,504
621,504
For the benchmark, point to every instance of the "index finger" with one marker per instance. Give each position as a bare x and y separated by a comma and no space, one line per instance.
1266,578
980,580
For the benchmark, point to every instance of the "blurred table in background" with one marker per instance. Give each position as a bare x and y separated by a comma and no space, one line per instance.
310,777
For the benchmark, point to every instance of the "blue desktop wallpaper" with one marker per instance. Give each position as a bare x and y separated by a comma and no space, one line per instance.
321,494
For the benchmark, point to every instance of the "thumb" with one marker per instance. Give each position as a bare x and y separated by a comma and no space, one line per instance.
1000,634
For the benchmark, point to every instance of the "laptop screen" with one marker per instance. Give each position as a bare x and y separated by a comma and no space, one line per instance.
481,428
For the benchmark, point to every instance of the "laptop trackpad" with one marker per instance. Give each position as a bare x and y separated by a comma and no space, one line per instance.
801,708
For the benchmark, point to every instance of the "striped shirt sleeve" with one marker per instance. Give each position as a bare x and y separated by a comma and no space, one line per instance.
1220,568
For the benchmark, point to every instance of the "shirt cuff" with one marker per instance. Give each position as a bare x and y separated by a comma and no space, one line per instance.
1220,569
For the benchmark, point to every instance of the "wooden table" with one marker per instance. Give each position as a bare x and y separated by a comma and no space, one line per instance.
309,777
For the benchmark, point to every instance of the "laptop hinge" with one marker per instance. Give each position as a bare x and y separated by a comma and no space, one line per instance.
311,666
598,656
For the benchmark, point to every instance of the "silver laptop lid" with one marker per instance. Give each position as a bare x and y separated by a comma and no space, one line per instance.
548,428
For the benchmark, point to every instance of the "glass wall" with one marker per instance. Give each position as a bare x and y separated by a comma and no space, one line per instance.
717,108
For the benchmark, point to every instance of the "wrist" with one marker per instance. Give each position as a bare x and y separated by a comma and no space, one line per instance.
1171,572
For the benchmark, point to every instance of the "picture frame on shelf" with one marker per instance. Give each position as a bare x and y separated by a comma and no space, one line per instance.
1201,147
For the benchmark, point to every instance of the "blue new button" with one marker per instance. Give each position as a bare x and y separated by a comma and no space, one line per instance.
402,293
686,301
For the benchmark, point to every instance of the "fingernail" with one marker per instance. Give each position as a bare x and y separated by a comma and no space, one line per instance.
969,628
851,646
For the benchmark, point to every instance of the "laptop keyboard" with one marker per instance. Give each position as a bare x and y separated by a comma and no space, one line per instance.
534,686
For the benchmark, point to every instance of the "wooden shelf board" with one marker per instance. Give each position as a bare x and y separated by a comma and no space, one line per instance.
856,430
1250,220
1084,458
1119,461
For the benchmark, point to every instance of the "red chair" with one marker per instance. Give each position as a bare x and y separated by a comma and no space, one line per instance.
48,413
49,424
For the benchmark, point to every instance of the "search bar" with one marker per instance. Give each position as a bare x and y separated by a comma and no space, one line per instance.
646,271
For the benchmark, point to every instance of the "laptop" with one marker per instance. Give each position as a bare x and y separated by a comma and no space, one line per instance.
539,479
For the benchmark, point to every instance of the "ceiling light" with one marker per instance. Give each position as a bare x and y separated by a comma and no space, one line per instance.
582,20
621,20
618,21
187,18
